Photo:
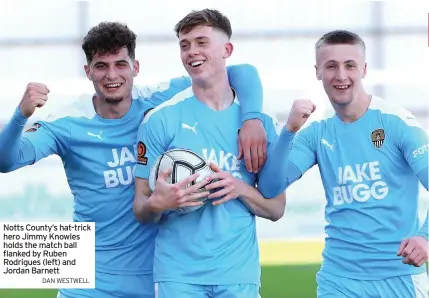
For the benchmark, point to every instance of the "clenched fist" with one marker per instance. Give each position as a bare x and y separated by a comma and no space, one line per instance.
35,96
299,113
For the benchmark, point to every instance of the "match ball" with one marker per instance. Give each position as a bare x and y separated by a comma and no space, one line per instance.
183,163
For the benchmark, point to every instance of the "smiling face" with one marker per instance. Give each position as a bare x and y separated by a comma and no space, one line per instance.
112,75
341,68
204,51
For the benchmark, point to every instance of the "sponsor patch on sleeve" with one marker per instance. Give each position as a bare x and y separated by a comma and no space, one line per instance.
141,153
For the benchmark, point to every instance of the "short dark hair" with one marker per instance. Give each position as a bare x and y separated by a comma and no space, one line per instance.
206,17
109,38
340,37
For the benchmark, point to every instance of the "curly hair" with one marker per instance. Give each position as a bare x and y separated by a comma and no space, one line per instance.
206,17
109,38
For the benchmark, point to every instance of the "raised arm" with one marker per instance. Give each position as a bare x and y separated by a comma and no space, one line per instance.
15,151
18,149
289,156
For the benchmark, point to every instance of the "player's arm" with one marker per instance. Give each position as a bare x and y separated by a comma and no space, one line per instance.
245,80
154,95
268,208
225,187
143,211
151,143
252,137
410,137
273,206
423,178
15,151
412,140
228,187
148,206
18,149
290,155
415,147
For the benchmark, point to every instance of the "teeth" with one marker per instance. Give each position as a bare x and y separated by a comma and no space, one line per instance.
113,85
341,87
196,63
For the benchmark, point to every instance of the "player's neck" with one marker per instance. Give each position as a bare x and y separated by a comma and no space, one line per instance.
355,109
108,110
216,93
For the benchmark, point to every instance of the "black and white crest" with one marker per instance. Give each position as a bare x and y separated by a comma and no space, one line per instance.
377,137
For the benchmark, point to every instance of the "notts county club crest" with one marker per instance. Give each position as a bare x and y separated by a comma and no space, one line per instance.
377,137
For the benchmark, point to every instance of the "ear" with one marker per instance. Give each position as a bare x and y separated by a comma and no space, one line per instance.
136,68
229,48
318,75
364,72
87,72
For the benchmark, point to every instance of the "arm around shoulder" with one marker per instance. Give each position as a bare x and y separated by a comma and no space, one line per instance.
245,80
161,92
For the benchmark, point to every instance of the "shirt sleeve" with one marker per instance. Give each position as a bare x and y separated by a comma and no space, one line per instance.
152,142
15,151
410,137
304,148
288,158
272,128
49,137
154,95
245,80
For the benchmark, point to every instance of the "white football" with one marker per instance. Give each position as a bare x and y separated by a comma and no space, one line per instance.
183,164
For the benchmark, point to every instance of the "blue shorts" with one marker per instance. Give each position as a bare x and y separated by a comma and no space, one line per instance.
407,286
115,286
179,290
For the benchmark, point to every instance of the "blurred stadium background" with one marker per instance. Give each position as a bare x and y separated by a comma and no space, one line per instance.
40,41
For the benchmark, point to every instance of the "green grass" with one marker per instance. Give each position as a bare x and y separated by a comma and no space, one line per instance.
28,293
277,281
289,281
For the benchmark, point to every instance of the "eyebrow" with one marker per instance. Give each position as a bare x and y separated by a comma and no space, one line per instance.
333,61
118,61
197,38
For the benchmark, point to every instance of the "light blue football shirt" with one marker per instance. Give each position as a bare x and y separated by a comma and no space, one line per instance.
368,169
99,159
215,245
